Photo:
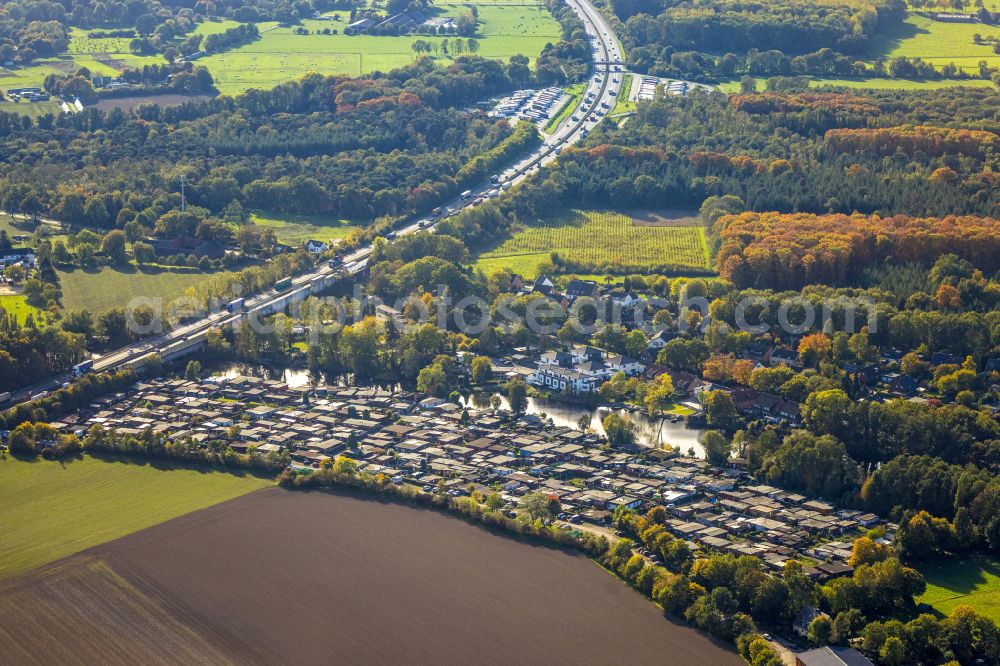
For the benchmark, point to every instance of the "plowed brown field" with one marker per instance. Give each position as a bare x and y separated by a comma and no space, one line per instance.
295,577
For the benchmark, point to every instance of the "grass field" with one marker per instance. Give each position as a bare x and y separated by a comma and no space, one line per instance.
30,109
971,581
16,305
630,242
574,92
295,230
938,43
111,286
16,227
49,509
506,28
280,55
622,103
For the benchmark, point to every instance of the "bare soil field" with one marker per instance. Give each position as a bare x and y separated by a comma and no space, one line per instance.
293,577
163,100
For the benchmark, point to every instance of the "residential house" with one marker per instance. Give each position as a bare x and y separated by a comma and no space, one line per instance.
580,289
788,357
316,246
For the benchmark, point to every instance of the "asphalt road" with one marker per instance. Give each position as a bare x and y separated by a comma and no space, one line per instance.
602,90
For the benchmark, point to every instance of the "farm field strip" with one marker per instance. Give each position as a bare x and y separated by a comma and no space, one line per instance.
878,84
325,583
603,237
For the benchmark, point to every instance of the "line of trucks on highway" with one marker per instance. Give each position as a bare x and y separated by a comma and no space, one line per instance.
351,268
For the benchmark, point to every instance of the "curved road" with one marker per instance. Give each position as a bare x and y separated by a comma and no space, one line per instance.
602,90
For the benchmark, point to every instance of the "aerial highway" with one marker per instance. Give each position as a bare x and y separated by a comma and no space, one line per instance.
602,90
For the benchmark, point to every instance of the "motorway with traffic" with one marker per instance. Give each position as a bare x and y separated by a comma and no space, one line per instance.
603,87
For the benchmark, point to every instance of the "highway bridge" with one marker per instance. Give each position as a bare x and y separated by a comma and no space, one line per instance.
599,97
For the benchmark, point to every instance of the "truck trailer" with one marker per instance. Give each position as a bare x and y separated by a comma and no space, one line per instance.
83,367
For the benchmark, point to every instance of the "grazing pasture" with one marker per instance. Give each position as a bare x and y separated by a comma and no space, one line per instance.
939,43
52,509
281,55
307,577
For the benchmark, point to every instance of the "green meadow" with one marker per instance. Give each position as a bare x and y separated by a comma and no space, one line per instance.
16,305
600,238
939,43
112,286
295,230
970,581
280,55
53,509
505,28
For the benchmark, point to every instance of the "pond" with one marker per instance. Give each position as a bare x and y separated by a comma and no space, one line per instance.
652,432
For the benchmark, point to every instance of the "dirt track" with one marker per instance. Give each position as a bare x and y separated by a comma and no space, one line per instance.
294,577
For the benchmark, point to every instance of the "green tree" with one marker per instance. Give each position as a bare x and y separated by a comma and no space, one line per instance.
893,652
619,429
716,446
720,410
144,253
517,395
539,505
15,273
635,343
481,369
820,630
193,370
113,246
433,380
659,394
